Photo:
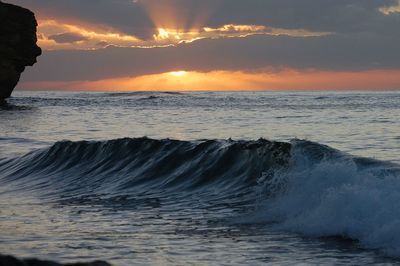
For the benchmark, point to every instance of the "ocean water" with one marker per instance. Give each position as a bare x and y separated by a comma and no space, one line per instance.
205,178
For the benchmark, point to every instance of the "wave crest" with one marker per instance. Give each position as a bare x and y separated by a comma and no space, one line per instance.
126,165
299,186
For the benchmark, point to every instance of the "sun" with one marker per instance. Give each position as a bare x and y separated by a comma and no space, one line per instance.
162,34
178,73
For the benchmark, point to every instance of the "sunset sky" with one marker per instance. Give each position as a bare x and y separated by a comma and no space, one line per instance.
215,45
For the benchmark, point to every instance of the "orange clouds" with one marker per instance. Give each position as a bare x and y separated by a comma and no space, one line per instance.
49,30
59,35
388,10
235,81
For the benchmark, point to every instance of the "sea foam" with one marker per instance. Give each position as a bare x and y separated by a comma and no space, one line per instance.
334,194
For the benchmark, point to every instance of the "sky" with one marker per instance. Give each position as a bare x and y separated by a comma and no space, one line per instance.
126,45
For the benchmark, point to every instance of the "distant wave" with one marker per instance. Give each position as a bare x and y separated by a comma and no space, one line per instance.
299,186
139,93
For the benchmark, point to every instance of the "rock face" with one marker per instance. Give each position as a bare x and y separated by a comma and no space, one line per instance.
18,47
11,261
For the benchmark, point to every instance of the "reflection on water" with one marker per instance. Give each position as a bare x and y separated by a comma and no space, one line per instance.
161,235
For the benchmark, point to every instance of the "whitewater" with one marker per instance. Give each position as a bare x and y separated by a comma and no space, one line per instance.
204,178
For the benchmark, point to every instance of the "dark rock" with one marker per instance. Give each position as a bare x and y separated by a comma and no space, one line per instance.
18,47
36,262
12,261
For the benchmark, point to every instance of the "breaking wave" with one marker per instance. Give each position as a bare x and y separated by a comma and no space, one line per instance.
299,186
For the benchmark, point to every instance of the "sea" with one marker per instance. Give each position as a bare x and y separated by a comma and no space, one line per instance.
201,178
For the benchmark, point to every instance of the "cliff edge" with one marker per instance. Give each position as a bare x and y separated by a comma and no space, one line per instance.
18,47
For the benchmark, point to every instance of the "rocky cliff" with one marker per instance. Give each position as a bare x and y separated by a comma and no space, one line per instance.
18,47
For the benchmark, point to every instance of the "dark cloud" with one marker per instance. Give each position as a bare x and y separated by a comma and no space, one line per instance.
318,15
364,37
133,17
337,52
123,15
68,37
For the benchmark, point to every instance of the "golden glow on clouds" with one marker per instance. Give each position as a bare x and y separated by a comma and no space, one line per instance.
237,28
232,30
176,24
231,81
171,37
90,39
165,34
387,10
56,35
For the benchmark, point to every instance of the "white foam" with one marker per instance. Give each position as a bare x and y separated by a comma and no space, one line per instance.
336,197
